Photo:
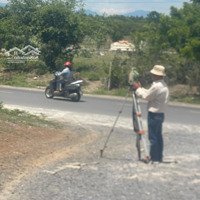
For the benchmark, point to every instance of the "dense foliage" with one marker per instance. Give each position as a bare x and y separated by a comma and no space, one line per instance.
172,40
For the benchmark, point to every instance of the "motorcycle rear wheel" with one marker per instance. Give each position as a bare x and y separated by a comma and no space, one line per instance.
49,92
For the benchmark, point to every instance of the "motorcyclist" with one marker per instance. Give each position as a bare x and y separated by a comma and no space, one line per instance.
66,75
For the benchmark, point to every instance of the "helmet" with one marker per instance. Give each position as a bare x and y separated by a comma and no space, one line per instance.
68,64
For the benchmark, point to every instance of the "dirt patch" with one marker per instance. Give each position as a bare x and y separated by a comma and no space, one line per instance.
26,147
92,86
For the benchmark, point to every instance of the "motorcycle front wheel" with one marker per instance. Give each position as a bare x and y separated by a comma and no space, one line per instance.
76,98
49,92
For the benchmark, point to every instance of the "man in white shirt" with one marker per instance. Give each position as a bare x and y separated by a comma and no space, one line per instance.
157,96
66,72
66,75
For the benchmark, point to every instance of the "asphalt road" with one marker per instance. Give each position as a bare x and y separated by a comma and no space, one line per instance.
118,175
178,113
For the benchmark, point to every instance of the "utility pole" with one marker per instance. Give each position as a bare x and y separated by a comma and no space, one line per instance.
109,76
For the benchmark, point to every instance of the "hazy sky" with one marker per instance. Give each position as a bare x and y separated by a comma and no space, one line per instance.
124,6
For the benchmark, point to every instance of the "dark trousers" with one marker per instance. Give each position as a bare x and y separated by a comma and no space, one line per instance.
155,121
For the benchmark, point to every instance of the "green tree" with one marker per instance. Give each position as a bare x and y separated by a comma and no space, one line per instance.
94,27
51,25
119,70
195,1
58,27
23,15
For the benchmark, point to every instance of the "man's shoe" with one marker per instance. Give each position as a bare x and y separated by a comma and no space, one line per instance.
156,162
145,160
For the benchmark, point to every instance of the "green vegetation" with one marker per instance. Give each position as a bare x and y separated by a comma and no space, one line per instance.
115,92
194,99
17,116
61,33
24,79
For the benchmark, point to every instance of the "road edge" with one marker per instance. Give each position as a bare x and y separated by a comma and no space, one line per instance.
179,104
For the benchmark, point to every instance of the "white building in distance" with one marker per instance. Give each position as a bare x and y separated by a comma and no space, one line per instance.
122,45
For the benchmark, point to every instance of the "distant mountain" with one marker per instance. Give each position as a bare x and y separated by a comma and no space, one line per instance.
137,13
90,12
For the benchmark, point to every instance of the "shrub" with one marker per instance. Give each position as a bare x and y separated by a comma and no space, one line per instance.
41,67
38,67
93,76
2,63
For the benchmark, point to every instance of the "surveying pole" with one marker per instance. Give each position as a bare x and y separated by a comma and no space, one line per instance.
137,119
137,122
138,129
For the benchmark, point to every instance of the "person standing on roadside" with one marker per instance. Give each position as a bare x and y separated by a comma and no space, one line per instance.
157,96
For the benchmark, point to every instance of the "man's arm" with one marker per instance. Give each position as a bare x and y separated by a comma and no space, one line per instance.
147,94
65,71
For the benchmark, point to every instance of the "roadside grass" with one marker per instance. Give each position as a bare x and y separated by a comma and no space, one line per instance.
24,80
194,99
114,92
17,116
93,68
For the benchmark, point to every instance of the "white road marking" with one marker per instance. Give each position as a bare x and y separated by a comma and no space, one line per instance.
6,92
75,166
66,166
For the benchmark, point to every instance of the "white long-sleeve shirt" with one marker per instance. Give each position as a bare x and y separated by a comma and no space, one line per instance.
66,74
157,96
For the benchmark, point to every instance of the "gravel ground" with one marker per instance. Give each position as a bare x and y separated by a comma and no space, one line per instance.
83,175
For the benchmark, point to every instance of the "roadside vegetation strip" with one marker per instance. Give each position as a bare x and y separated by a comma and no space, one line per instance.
20,116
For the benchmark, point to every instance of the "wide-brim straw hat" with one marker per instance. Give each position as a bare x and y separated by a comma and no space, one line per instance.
158,70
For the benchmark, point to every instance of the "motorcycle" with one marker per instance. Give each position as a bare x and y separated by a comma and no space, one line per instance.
70,90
